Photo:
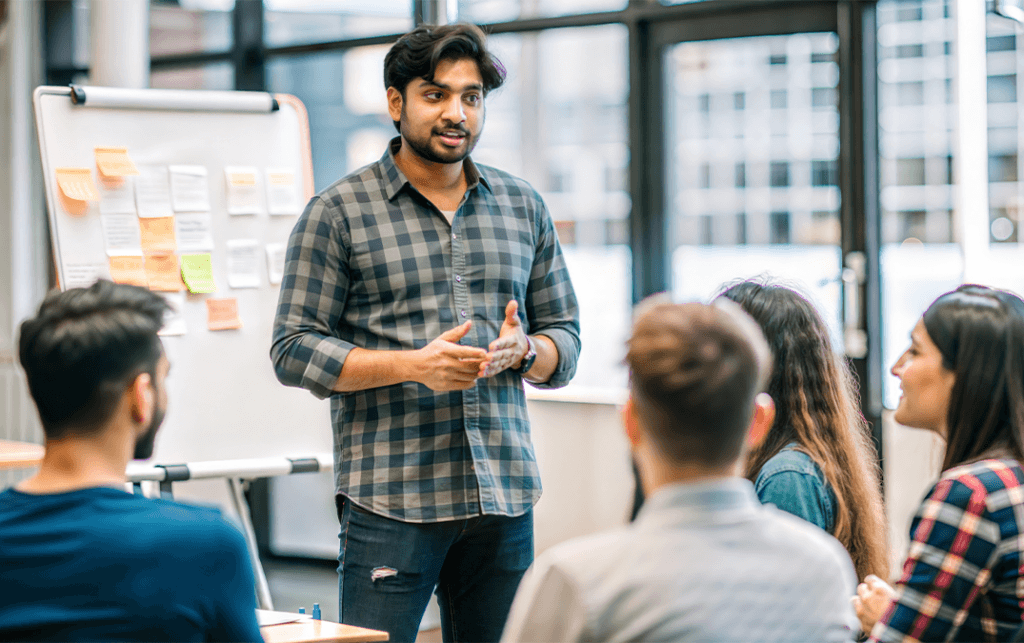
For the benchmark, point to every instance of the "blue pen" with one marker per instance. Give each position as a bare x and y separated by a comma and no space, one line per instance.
316,611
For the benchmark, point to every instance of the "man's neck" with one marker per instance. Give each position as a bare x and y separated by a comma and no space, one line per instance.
656,473
428,176
73,463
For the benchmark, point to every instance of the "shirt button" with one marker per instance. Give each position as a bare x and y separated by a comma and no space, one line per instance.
455,236
462,312
458,278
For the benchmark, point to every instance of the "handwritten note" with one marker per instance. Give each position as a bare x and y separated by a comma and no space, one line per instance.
81,275
242,193
222,314
76,183
194,231
282,193
197,271
275,262
243,263
122,234
152,194
114,162
128,270
190,191
158,235
162,273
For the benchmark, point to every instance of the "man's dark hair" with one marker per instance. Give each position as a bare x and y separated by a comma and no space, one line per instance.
84,347
417,54
694,373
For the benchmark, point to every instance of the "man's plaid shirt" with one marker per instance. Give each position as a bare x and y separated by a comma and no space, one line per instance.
962,580
372,263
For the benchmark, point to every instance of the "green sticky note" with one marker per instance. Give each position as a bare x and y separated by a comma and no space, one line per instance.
197,273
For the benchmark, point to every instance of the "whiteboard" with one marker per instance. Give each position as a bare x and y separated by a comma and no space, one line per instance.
224,400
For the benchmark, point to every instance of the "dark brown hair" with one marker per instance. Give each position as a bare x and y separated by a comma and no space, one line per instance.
694,372
980,333
417,54
83,348
815,407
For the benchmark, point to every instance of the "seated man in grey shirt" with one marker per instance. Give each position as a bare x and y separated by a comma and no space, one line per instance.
704,561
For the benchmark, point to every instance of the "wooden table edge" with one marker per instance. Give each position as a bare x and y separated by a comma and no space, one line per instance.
310,631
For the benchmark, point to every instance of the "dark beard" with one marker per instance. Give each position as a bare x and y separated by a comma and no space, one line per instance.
144,445
423,150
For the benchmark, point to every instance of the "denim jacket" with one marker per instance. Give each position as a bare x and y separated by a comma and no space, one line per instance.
791,481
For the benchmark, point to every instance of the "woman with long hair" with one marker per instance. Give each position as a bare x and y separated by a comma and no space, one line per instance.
817,461
962,377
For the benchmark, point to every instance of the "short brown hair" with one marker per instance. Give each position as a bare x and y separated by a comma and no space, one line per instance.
694,373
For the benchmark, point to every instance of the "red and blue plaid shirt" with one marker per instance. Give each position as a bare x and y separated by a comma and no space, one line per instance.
963,579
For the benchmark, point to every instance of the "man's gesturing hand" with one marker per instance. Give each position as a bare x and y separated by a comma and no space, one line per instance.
510,347
446,365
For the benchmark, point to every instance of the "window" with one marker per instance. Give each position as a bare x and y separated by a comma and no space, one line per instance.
704,103
823,97
912,225
707,225
287,22
818,57
1002,89
909,51
778,59
741,175
739,100
1001,43
1002,169
823,173
704,180
779,233
910,171
778,174
908,14
741,229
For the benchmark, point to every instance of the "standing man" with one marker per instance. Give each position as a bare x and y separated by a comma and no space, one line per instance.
419,292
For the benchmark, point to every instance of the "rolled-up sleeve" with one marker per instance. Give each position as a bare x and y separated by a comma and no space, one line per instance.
305,350
551,306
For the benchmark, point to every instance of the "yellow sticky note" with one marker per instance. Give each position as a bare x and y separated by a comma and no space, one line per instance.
197,271
128,270
222,314
157,234
114,162
76,183
163,274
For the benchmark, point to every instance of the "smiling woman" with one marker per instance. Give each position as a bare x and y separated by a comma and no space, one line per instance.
963,376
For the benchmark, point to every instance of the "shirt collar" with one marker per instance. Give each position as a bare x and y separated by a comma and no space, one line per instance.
692,502
395,179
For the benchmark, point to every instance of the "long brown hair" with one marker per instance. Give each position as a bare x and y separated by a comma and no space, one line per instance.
814,393
980,333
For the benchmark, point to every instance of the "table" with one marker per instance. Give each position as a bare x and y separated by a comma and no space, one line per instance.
310,631
19,455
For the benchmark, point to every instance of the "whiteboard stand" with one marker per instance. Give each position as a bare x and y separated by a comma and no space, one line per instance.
236,473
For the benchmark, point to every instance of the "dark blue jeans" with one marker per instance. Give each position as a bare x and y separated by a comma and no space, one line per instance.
388,568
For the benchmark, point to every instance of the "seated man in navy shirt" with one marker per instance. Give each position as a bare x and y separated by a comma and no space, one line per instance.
80,558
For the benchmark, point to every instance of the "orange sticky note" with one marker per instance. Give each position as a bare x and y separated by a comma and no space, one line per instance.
157,234
114,162
222,314
128,270
163,274
76,184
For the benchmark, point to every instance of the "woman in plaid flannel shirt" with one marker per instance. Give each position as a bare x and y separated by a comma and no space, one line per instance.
963,376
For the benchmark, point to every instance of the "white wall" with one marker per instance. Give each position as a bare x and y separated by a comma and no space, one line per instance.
23,229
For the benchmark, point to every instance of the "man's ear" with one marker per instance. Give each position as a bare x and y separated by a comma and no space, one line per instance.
630,424
761,423
142,399
395,101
